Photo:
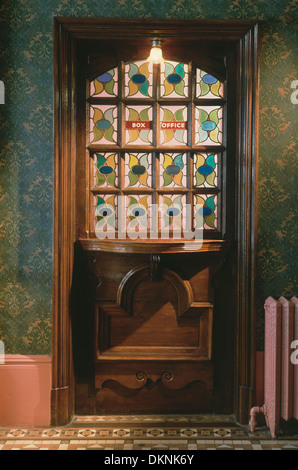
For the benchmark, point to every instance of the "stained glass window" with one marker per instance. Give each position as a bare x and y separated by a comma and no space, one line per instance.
103,124
105,213
208,122
138,213
207,86
106,169
206,207
138,80
173,170
173,123
205,169
156,140
138,125
172,212
138,170
105,85
174,80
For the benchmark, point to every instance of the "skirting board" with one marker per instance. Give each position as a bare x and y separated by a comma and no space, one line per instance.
25,390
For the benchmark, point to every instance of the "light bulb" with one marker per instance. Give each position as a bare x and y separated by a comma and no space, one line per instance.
156,52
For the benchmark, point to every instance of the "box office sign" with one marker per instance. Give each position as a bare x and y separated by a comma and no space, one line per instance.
139,125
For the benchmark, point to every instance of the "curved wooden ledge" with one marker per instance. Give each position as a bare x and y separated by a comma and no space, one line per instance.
153,246
135,276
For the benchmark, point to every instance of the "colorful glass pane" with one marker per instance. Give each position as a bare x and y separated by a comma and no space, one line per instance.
208,86
138,125
105,215
105,85
103,124
172,213
174,80
208,125
173,125
138,80
172,169
138,170
106,169
205,169
205,211
138,213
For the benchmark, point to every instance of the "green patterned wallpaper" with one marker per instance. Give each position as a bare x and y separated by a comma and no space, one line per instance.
26,150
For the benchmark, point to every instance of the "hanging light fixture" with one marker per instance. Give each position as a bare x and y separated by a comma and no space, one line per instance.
156,52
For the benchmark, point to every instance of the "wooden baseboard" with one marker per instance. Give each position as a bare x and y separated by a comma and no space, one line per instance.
25,390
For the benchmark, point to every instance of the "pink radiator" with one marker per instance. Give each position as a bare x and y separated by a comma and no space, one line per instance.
280,364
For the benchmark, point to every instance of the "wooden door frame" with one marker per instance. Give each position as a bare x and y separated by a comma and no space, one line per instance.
67,33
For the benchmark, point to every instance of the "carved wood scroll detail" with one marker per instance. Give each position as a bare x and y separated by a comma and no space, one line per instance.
170,379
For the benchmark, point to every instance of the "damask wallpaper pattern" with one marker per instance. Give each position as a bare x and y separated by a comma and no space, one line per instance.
26,150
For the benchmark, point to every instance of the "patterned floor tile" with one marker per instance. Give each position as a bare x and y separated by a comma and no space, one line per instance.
136,433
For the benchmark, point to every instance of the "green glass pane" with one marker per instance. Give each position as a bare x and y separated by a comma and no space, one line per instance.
172,213
138,79
105,84
173,125
208,125
208,86
138,170
103,124
174,79
138,214
205,169
205,211
105,215
106,172
173,170
138,125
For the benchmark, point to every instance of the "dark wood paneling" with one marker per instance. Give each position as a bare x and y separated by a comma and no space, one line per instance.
147,326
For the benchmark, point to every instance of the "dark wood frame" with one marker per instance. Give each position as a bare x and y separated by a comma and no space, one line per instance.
67,33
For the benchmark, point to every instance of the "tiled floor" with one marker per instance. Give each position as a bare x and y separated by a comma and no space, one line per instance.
131,433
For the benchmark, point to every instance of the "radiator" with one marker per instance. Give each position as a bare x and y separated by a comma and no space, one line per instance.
280,364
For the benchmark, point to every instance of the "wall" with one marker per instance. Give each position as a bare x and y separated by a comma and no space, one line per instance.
26,150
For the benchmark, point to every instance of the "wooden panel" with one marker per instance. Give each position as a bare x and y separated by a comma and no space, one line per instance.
119,399
154,324
152,387
145,337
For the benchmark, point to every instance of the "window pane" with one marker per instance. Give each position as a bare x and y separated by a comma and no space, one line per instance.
172,213
173,124
103,124
138,80
138,215
208,86
105,85
208,125
172,169
106,169
138,125
138,170
205,170
105,214
174,80
205,210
